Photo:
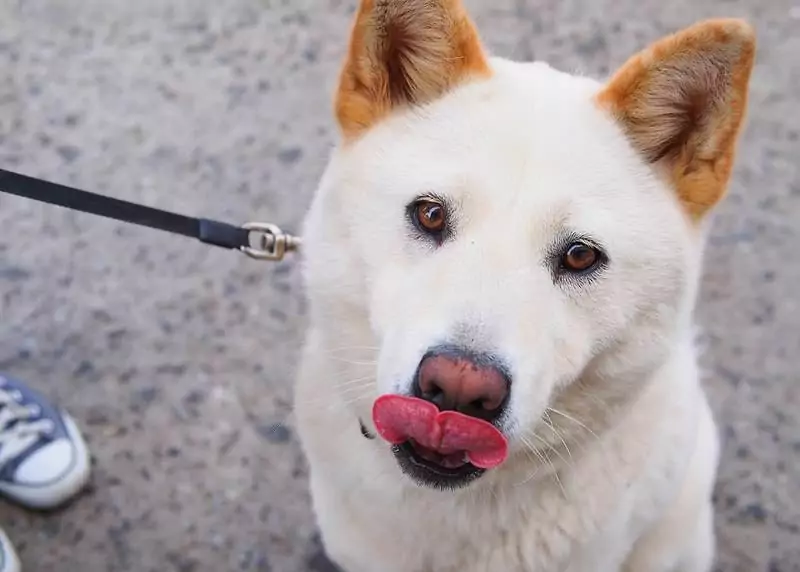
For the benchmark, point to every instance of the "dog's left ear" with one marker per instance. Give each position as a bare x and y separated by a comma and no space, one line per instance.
682,102
405,53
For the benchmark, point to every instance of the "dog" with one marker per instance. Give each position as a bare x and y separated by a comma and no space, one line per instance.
501,262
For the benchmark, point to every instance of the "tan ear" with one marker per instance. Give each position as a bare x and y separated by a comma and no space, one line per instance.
682,102
405,52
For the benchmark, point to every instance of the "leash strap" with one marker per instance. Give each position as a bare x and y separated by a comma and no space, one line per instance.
272,243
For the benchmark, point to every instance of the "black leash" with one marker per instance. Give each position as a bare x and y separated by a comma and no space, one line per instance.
273,243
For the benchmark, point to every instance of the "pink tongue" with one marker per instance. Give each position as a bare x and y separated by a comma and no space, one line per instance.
399,419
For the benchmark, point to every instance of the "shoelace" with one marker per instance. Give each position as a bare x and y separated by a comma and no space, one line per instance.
15,418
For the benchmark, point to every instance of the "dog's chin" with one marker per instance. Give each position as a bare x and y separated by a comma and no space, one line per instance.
430,469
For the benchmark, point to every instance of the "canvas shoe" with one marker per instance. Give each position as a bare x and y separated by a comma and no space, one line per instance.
44,461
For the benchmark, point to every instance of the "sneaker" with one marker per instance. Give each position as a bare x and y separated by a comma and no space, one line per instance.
8,556
44,461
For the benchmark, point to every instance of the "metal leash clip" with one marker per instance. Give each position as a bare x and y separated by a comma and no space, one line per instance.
273,243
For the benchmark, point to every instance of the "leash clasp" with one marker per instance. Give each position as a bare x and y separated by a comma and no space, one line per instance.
273,243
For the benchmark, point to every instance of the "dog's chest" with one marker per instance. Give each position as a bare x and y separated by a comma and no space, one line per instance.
422,533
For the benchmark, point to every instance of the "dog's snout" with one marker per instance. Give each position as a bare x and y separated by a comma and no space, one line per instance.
455,380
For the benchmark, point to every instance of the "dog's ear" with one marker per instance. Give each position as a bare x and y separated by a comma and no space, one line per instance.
682,102
402,53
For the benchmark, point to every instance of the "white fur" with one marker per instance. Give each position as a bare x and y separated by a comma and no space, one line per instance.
624,481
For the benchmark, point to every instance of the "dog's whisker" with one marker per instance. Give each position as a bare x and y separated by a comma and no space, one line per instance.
354,362
353,389
607,411
592,395
529,477
548,422
349,382
558,480
347,372
358,347
492,491
577,422
530,448
358,398
550,462
343,349
551,448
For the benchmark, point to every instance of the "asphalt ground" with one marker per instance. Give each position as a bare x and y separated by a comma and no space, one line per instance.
177,359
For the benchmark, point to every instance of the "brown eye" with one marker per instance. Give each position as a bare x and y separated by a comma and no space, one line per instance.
429,216
580,257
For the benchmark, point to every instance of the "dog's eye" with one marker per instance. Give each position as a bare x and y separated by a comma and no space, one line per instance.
429,216
580,257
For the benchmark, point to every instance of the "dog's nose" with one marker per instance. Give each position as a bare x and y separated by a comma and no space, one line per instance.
455,380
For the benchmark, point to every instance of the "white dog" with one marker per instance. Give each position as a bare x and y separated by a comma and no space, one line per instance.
502,262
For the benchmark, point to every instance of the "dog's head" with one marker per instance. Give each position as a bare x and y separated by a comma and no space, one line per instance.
523,244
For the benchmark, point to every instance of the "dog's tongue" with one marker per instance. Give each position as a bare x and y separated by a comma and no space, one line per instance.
398,419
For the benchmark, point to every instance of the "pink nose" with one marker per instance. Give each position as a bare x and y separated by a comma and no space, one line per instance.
454,380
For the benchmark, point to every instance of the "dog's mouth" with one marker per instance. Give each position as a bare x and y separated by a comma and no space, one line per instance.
437,460
440,449
431,468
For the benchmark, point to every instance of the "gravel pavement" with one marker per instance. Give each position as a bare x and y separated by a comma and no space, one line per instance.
177,359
